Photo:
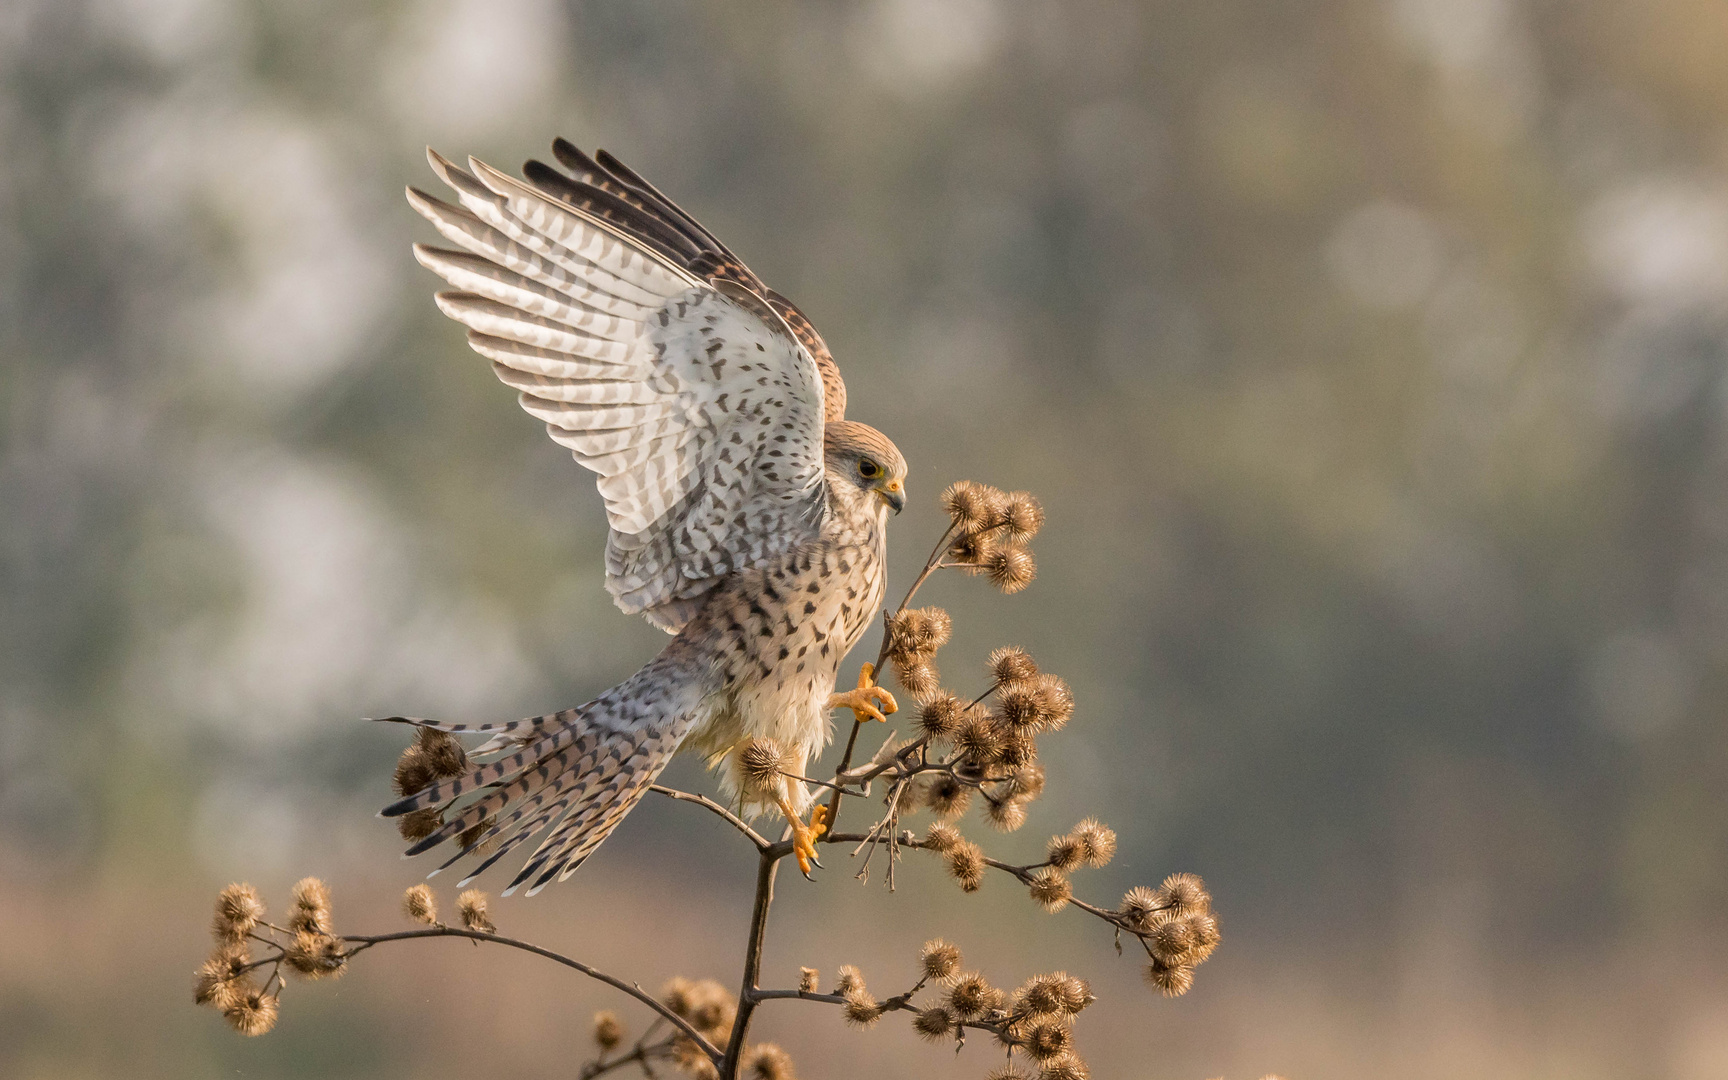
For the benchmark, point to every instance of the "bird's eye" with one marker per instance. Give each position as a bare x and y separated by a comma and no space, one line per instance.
868,469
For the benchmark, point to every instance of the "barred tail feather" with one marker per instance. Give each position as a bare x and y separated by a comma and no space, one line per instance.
493,773
573,775
598,810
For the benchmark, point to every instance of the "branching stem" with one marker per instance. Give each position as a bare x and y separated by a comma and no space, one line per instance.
366,941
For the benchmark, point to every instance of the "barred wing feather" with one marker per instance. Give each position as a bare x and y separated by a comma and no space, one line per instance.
696,395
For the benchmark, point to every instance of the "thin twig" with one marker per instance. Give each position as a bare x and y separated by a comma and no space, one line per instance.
366,941
823,783
897,1003
1022,873
702,800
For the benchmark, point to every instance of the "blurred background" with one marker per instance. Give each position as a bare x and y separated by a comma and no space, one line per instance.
1368,354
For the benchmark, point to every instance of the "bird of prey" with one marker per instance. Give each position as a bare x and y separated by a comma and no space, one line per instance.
747,515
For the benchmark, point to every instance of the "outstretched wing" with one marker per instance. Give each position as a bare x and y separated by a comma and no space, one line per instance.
696,394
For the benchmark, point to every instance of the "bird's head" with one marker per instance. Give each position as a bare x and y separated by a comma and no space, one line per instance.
859,455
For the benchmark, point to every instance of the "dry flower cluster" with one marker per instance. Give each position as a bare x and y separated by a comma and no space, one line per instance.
966,749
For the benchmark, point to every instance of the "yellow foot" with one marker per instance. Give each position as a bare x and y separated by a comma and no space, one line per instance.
863,701
804,836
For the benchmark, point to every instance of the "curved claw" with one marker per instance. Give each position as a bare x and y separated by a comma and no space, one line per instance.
864,701
804,839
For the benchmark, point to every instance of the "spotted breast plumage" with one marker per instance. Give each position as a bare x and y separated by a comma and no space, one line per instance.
746,514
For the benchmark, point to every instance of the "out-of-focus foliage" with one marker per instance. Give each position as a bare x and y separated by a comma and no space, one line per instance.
1369,356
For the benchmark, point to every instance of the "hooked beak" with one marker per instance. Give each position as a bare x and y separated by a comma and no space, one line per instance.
893,494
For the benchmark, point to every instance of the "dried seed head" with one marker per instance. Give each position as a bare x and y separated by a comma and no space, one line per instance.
311,910
251,1013
761,765
971,506
1027,782
1055,702
238,909
1074,992
1097,842
1171,980
1021,516
470,837
905,630
1206,937
1141,908
930,628
941,837
850,981
933,1024
766,1061
1171,941
940,715
711,1007
443,753
1065,852
413,770
940,959
1040,995
1184,894
966,865
419,904
1068,1067
1010,568
1005,815
1007,1072
978,740
861,1010
972,549
608,1031
808,979
223,978
421,823
1051,890
1048,1040
1018,704
947,797
971,996
1011,664
1019,749
918,676
679,994
315,956
471,905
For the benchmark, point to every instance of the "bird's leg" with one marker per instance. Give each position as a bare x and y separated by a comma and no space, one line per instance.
864,700
804,836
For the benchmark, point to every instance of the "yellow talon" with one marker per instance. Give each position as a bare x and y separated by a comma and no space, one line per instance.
804,836
864,700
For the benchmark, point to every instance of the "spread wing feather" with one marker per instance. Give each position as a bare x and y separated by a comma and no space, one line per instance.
648,349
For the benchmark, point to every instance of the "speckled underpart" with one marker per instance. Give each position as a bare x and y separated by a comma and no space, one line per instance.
742,517
780,631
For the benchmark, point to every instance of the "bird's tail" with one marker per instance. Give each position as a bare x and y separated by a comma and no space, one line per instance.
572,774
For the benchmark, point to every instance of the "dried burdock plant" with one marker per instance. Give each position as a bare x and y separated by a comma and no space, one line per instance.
969,747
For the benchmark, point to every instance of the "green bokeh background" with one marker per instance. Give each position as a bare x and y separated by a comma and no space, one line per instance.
1367,354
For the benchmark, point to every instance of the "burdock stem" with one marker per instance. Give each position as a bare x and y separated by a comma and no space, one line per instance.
766,866
366,941
882,658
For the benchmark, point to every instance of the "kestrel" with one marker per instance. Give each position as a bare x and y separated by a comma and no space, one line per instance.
747,514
